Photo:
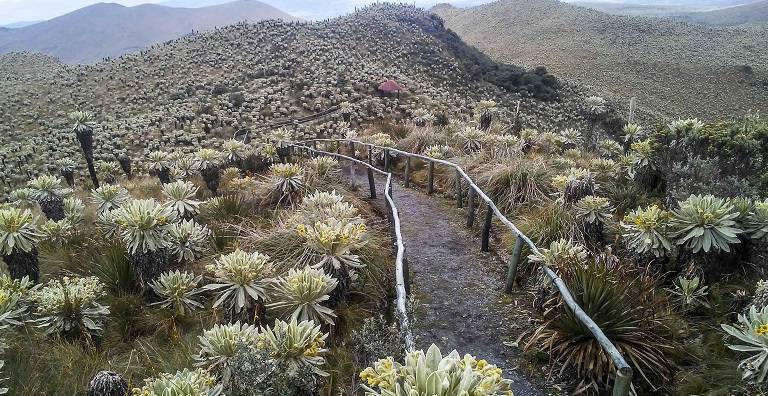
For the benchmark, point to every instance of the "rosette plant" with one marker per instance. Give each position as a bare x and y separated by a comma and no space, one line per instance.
300,295
208,162
432,374
49,193
647,231
22,197
70,307
594,213
109,171
485,111
178,291
323,168
333,241
183,383
295,345
559,253
109,197
84,132
287,183
74,211
158,163
67,169
234,152
241,280
223,341
18,237
752,332
181,200
12,295
438,152
472,139
756,221
143,226
56,232
188,240
704,222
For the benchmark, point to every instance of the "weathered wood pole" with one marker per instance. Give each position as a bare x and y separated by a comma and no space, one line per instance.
459,198
386,160
431,178
470,207
370,155
486,241
407,171
513,262
371,183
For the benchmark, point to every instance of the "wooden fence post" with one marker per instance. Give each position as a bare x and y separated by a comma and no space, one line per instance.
371,183
623,382
459,198
386,160
370,155
513,262
486,241
470,207
431,178
407,171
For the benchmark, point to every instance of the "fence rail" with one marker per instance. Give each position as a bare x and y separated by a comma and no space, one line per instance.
623,378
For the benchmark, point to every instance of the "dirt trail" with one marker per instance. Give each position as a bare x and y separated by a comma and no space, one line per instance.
459,287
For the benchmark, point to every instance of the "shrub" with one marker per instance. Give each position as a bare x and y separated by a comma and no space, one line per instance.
625,305
516,181
253,372
434,374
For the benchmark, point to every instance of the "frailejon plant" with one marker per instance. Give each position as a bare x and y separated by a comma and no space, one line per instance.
158,163
181,200
74,211
433,374
559,253
485,111
234,151
594,213
183,383
575,185
287,183
756,221
323,168
471,139
18,237
647,231
49,193
188,240
184,167
143,226
70,306
208,162
334,241
752,331
109,197
84,132
570,138
241,280
22,197
56,232
67,169
632,132
178,291
295,345
222,342
13,292
300,295
438,152
704,222
321,206
109,170
690,293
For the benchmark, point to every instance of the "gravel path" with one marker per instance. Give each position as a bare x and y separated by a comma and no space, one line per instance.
462,306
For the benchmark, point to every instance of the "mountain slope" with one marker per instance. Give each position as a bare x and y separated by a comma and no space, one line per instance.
753,13
203,87
108,30
675,69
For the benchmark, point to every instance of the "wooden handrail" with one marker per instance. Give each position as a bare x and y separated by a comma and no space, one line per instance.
623,380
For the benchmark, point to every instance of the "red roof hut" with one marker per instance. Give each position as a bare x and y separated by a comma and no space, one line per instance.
391,87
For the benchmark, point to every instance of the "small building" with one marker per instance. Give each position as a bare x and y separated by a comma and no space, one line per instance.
391,87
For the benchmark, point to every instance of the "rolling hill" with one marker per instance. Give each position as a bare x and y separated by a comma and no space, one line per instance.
675,69
108,30
753,13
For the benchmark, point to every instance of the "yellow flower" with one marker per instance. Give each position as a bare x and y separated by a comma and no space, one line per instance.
762,330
